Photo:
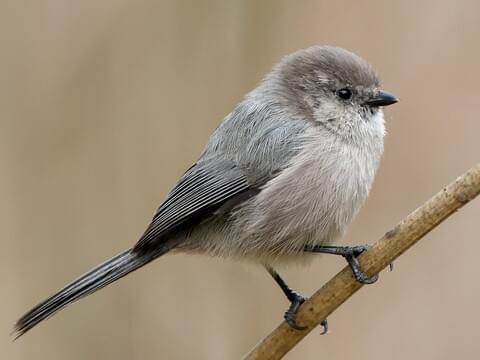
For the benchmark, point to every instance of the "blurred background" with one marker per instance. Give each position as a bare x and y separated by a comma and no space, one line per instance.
104,104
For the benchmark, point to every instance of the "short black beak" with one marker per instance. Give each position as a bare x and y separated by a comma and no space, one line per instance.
382,98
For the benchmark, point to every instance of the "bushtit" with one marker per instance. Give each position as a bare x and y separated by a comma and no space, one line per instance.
280,178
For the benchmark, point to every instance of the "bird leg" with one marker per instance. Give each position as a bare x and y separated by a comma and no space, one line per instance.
350,253
296,300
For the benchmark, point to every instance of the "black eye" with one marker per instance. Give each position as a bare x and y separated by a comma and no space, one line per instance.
344,93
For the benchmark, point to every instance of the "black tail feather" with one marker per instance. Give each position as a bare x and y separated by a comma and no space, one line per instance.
101,276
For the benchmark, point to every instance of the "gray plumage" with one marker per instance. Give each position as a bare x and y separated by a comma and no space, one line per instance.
290,166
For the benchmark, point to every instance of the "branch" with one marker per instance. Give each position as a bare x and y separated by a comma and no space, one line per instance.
393,244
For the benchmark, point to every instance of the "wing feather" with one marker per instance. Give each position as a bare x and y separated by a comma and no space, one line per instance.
205,186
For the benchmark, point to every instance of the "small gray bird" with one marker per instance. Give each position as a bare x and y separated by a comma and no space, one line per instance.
281,178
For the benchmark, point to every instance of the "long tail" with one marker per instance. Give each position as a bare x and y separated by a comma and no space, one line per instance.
99,277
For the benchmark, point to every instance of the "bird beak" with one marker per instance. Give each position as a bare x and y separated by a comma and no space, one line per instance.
382,98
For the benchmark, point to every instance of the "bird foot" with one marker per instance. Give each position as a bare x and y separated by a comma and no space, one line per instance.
351,255
291,315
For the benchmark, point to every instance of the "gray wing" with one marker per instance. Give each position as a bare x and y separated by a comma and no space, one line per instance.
202,189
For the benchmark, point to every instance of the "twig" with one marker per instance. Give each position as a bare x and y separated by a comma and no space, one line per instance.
395,242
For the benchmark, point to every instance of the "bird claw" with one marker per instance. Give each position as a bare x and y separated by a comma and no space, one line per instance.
351,255
324,324
291,314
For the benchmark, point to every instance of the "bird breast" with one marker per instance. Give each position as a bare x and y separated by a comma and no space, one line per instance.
314,199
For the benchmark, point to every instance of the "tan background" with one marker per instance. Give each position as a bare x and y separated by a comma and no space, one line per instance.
103,105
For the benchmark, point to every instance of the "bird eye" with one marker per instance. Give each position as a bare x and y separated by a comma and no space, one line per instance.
344,93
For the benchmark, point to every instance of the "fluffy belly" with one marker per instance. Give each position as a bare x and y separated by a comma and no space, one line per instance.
310,202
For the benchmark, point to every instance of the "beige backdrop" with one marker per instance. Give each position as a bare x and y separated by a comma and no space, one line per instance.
104,104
